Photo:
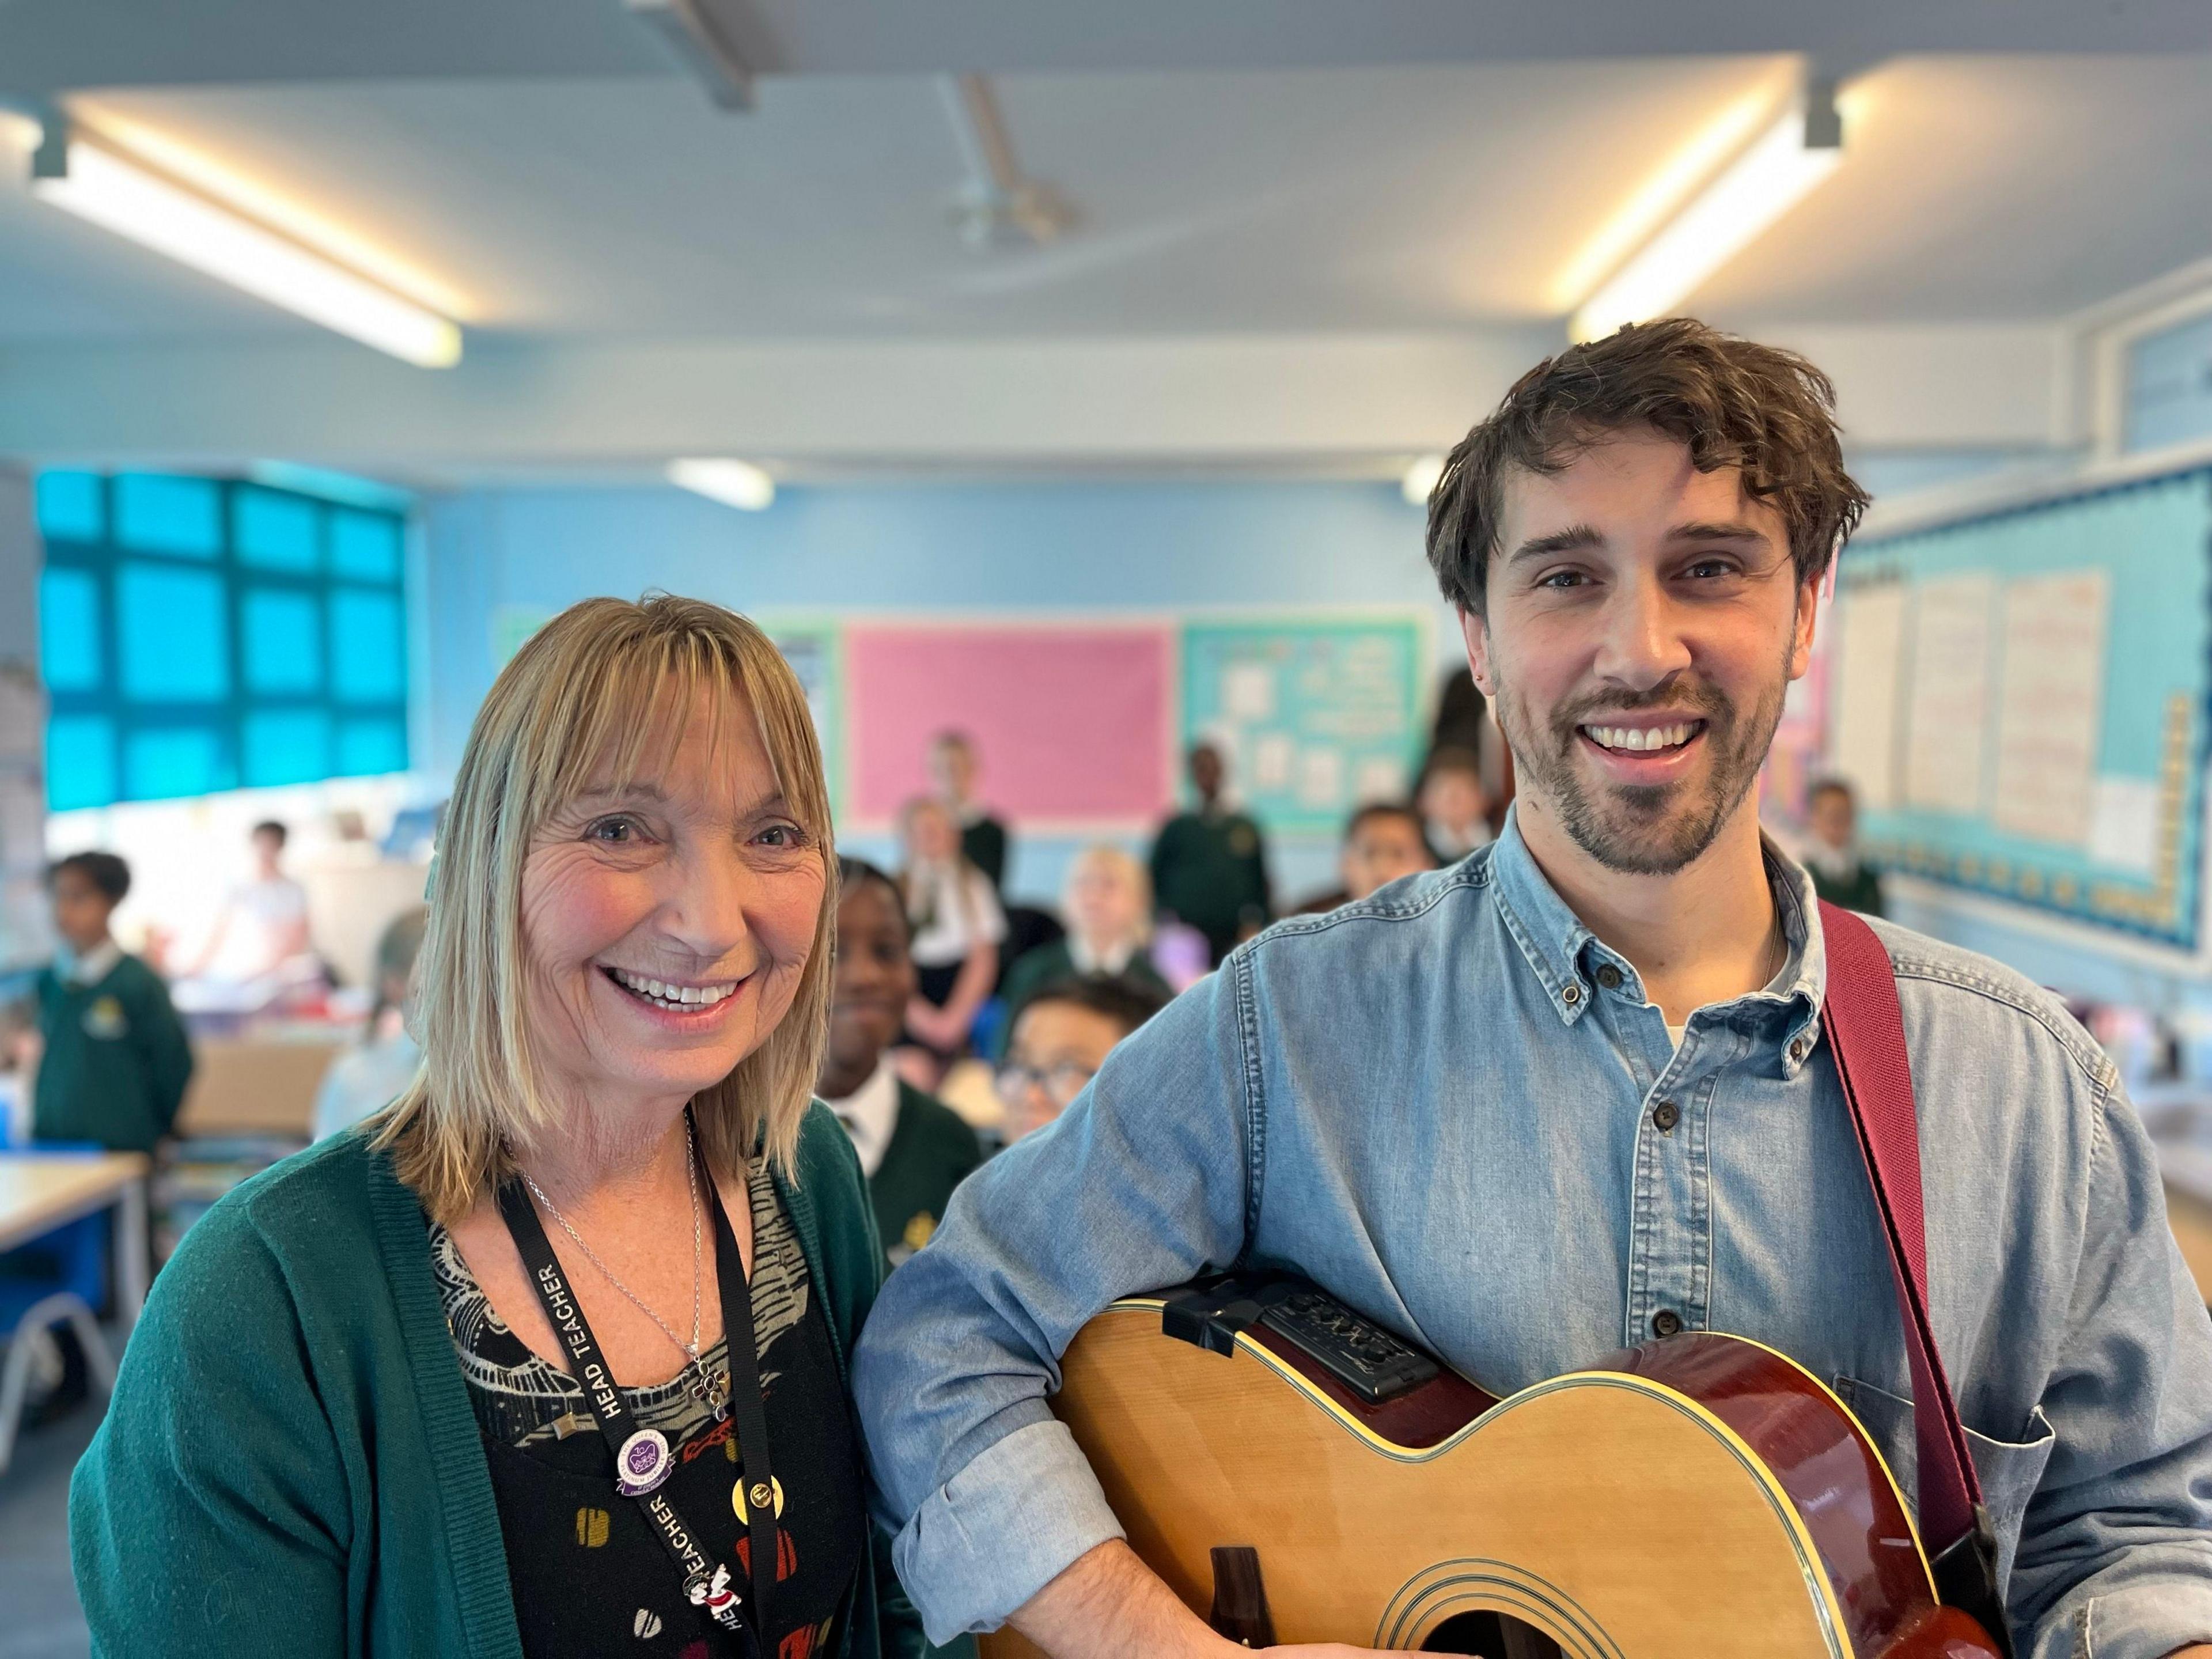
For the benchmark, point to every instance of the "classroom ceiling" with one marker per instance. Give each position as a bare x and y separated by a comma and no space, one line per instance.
1404,167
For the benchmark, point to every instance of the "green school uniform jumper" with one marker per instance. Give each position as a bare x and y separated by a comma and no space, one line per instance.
932,1151
290,1464
116,1059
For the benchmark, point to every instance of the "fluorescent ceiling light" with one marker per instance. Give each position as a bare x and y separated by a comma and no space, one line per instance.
1421,479
1774,174
205,176
107,190
1660,194
733,483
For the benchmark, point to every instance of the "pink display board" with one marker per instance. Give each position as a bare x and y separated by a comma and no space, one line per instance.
1074,725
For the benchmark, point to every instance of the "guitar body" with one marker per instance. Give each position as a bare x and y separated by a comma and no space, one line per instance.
1700,1497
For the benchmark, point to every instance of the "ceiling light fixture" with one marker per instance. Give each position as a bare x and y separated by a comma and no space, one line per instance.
1775,172
733,483
103,188
1423,474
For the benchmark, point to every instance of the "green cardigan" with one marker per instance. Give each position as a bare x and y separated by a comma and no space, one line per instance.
290,1464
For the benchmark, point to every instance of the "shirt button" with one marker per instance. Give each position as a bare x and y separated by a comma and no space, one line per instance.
1666,1322
1608,976
1665,1115
1571,996
1797,1051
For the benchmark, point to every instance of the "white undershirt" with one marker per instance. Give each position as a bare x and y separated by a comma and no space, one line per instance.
869,1114
95,965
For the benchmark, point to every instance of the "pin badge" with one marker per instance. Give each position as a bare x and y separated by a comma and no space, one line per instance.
642,1463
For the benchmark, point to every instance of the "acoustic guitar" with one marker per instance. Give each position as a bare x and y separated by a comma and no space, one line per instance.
1297,1473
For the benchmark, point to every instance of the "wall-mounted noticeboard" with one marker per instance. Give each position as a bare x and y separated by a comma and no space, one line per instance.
2020,699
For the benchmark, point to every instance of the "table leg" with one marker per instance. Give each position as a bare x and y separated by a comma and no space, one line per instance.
134,1255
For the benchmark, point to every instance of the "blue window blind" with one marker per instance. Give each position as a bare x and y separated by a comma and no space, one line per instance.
284,629
72,506
160,764
365,546
80,761
368,657
69,630
275,531
171,634
156,513
287,745
201,634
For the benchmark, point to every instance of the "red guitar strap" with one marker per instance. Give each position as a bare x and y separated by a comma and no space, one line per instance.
1866,1038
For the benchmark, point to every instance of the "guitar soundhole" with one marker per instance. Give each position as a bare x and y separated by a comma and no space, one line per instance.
1492,1635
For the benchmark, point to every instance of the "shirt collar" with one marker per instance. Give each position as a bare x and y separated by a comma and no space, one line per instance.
96,964
870,1114
1567,958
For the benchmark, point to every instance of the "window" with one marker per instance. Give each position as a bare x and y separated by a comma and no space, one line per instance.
2169,387
198,635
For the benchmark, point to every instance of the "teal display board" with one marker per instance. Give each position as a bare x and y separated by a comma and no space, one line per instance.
2021,700
1315,716
814,646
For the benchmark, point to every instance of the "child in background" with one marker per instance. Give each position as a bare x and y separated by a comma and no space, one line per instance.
1108,904
957,925
1210,866
113,1058
914,1148
1455,805
952,768
369,1077
1383,841
1061,1039
1832,852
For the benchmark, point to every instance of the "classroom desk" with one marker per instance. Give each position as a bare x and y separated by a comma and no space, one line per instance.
41,1191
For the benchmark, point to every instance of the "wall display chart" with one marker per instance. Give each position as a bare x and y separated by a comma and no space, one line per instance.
2021,700
813,647
1315,716
1072,722
1081,726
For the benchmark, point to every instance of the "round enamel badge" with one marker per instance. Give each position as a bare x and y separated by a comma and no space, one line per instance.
642,1463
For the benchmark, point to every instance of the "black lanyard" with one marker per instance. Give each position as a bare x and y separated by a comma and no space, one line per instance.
643,1459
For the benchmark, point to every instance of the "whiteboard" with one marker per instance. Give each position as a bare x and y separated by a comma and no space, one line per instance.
2023,700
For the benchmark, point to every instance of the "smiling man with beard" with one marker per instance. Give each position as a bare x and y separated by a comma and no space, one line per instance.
1571,1093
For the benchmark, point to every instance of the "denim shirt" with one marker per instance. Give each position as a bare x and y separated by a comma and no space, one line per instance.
1439,1104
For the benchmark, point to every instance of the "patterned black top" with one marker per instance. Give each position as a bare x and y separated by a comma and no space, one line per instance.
589,1574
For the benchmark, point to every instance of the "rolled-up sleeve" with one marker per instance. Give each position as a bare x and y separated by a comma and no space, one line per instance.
1145,1181
2115,1556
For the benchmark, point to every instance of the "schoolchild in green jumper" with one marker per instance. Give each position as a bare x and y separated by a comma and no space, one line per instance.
114,1058
914,1148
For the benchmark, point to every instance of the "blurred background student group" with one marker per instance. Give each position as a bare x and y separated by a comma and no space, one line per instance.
1069,425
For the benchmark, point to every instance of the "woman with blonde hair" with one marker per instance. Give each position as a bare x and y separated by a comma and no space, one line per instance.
1107,904
549,1357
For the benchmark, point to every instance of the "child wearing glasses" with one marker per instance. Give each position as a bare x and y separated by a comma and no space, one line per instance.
1061,1038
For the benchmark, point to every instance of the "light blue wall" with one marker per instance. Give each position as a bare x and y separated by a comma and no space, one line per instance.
908,549
884,549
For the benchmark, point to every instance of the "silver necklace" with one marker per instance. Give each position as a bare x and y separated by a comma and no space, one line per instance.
713,1391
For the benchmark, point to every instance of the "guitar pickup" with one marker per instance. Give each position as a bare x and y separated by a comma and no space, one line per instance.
1355,1350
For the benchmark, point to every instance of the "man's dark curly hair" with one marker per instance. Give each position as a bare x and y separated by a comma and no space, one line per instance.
1733,402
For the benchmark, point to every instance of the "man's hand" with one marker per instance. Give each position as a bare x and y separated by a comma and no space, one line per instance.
1109,1605
2199,1650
